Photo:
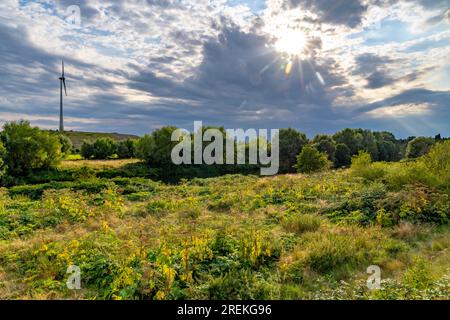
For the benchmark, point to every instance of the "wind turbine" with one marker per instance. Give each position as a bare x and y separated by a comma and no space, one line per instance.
62,82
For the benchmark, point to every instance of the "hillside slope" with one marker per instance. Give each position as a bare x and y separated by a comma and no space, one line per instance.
77,137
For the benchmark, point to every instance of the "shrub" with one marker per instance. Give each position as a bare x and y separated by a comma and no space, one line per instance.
362,166
418,276
418,147
437,162
362,160
359,206
311,160
103,148
416,204
29,148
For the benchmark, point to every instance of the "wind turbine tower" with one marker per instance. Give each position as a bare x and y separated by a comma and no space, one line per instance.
62,82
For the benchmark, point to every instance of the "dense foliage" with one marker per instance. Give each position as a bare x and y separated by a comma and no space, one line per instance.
233,237
107,148
291,144
28,148
156,148
311,160
418,147
2,161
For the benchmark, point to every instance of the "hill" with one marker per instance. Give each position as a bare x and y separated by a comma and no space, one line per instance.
77,137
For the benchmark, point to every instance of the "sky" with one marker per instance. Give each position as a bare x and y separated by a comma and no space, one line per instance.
318,66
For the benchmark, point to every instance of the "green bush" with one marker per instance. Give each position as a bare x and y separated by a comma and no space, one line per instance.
437,162
311,160
362,166
416,204
103,148
418,276
29,148
418,147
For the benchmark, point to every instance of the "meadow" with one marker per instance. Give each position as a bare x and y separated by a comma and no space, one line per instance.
292,236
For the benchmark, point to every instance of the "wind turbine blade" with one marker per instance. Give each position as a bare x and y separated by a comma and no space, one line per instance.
64,83
63,68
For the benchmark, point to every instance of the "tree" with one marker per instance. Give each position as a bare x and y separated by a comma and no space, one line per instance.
387,151
87,150
342,156
104,148
3,166
418,147
311,160
325,143
369,143
29,148
352,139
66,144
291,144
126,149
156,148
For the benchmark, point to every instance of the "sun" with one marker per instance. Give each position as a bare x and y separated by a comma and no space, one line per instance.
291,42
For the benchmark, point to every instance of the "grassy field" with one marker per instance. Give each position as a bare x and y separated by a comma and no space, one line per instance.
96,164
231,237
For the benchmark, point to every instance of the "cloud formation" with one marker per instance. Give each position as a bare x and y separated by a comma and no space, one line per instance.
136,65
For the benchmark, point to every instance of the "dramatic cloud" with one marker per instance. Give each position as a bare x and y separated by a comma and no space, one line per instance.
344,12
373,68
136,65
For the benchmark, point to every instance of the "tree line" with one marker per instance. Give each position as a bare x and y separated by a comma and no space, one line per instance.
24,148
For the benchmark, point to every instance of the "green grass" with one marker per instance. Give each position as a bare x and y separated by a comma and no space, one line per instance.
229,237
